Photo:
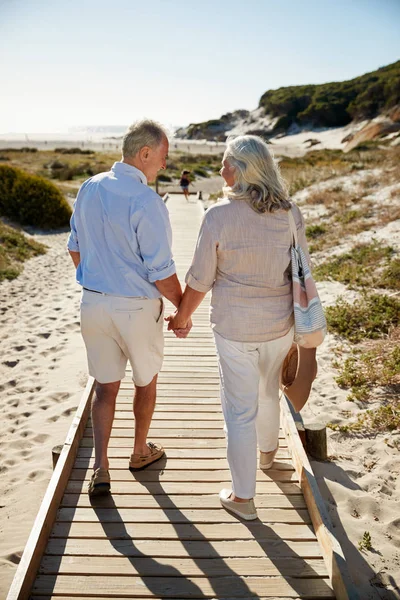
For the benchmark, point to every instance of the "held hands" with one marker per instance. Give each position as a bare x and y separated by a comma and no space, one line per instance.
181,327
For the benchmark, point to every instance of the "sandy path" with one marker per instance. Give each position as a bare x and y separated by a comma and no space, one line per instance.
42,373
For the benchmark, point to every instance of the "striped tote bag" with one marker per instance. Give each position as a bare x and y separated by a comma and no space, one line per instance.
309,318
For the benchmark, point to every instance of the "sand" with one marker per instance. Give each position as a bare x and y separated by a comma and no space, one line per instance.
360,483
43,372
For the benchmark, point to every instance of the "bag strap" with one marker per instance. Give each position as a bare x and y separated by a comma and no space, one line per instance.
293,228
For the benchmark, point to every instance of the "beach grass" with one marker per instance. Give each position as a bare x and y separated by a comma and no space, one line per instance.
15,248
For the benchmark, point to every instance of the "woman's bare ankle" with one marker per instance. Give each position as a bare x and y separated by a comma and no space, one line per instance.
235,498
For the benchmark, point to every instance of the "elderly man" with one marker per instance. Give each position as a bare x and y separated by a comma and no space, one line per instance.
120,244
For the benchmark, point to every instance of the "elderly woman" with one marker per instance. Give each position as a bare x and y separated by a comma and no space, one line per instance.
243,255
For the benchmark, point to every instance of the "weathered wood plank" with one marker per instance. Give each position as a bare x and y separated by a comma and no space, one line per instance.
188,502
172,515
186,567
183,587
183,488
175,415
216,423
195,454
186,531
168,443
182,464
183,476
166,433
273,548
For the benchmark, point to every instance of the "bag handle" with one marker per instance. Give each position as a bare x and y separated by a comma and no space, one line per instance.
293,228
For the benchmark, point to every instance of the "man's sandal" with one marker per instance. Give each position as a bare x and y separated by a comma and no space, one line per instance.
139,461
99,484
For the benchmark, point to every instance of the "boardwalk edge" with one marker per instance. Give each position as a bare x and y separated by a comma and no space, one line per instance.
37,541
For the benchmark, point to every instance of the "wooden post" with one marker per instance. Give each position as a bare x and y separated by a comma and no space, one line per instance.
316,443
55,454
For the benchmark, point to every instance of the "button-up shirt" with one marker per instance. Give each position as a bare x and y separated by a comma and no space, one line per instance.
121,229
244,257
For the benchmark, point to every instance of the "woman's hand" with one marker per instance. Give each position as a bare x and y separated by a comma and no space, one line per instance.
181,327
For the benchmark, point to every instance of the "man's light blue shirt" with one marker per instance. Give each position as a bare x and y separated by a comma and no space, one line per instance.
121,229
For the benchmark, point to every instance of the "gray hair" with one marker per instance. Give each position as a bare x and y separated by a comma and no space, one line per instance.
257,177
142,133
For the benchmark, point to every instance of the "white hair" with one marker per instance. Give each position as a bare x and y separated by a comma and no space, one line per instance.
142,133
257,177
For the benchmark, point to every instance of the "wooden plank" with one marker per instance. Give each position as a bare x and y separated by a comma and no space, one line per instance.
183,488
186,567
185,400
186,531
169,443
181,464
159,433
166,433
182,476
188,502
170,423
195,454
63,597
182,392
183,587
273,548
197,378
182,410
31,557
331,549
173,515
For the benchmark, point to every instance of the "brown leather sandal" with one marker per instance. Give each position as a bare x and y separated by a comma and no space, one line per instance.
139,461
99,483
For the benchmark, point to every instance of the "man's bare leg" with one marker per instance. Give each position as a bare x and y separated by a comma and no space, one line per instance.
143,408
103,409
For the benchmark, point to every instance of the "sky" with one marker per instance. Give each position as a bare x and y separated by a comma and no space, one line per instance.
92,62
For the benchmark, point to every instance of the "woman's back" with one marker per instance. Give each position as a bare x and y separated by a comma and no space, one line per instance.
252,293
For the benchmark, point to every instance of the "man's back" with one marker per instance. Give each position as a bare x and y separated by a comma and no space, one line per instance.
121,229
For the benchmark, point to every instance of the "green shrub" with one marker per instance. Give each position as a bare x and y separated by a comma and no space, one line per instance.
314,231
15,248
391,275
200,172
357,267
31,200
378,366
370,317
164,177
73,151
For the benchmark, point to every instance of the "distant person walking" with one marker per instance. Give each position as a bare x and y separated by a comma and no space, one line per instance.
120,244
184,183
243,255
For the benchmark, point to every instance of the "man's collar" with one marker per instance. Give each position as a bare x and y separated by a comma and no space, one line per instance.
131,171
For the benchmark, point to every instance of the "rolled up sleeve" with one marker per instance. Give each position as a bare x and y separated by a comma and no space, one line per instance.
154,237
203,271
72,243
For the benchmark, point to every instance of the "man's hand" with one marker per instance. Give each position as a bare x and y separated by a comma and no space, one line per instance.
181,327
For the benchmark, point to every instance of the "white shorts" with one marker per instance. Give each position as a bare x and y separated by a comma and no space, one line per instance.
116,329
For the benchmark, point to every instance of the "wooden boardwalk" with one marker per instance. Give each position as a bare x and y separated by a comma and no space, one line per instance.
162,533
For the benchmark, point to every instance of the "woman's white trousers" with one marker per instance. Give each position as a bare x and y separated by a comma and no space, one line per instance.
249,373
